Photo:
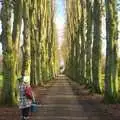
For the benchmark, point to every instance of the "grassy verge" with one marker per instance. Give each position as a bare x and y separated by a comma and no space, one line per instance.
1,78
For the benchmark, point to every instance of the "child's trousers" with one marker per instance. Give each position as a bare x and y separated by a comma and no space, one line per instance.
25,113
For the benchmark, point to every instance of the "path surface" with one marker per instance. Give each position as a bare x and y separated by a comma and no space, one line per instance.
62,103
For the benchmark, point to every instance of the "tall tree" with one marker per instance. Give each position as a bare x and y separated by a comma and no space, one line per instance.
89,42
111,68
26,41
96,49
38,42
33,37
10,42
82,31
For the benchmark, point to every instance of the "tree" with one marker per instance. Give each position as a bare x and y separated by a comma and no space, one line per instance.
10,43
33,39
96,49
111,68
83,52
88,43
26,44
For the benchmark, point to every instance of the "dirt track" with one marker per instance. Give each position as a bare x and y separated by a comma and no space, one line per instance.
66,100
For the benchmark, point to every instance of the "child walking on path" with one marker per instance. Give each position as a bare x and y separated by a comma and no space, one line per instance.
25,97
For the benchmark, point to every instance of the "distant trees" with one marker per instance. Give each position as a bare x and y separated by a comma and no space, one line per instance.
84,61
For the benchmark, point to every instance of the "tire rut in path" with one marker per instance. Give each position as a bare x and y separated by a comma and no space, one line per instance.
61,103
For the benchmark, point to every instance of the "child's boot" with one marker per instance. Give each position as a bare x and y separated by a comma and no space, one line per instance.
26,118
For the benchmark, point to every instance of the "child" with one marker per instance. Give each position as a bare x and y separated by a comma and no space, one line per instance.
24,100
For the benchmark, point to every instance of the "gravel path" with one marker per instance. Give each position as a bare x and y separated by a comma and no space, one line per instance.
62,103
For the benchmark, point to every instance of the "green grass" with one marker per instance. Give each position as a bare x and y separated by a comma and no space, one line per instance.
102,82
1,78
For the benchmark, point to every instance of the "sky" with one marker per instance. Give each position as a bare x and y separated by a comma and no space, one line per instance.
60,23
60,19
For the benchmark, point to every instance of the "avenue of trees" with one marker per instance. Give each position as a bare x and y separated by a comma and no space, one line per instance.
29,44
83,43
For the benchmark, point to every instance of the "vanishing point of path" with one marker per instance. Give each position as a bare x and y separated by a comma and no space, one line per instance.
62,102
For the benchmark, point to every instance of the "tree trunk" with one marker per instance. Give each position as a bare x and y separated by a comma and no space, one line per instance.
26,44
111,69
33,37
9,71
82,56
96,50
89,42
